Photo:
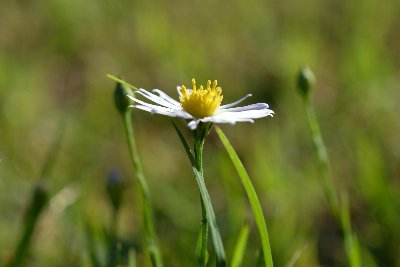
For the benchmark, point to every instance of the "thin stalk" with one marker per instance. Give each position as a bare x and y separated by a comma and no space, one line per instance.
151,238
37,205
323,159
113,241
200,134
39,201
340,212
240,247
202,257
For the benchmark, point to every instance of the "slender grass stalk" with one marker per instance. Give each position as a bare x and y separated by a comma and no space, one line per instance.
113,252
323,160
115,188
340,211
132,258
122,104
240,247
296,256
351,241
207,209
91,243
202,251
151,238
252,196
38,202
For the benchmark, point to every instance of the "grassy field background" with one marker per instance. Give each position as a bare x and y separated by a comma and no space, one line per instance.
54,57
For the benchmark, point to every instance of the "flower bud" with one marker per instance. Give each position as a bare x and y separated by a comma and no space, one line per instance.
121,99
115,187
305,80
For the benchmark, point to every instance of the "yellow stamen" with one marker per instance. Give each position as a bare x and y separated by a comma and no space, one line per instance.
201,102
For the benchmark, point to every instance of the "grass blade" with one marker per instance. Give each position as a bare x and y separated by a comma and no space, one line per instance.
350,239
252,195
240,246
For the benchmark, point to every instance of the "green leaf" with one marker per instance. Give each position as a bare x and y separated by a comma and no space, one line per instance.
240,246
252,195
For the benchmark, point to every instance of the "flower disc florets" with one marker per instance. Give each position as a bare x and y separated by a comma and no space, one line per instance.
201,103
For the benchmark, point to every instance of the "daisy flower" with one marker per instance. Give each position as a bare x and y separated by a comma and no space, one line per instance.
200,105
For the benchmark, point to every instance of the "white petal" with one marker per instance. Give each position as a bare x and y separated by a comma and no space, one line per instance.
164,111
257,106
156,99
250,114
167,97
193,124
153,109
236,102
231,120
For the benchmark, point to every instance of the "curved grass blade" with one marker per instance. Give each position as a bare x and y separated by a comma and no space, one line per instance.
296,256
350,239
252,195
216,237
240,246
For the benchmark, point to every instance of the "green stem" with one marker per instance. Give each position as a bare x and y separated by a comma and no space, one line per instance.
199,135
202,257
151,238
323,159
339,211
113,241
37,205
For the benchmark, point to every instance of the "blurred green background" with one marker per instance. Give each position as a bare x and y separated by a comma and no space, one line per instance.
54,57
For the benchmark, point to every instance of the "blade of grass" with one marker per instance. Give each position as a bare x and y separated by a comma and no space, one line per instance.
351,241
252,195
296,256
38,203
240,246
206,202
93,255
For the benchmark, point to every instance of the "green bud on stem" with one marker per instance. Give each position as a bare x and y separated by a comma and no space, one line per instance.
305,80
115,186
121,99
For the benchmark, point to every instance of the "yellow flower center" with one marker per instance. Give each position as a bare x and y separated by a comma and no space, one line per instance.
201,102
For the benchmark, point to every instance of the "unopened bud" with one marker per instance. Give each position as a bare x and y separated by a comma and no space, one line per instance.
115,187
305,80
121,99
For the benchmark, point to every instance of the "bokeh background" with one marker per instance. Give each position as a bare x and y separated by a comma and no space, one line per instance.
54,57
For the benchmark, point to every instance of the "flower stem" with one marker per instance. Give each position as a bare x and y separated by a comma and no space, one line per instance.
323,159
151,238
207,210
339,210
202,256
